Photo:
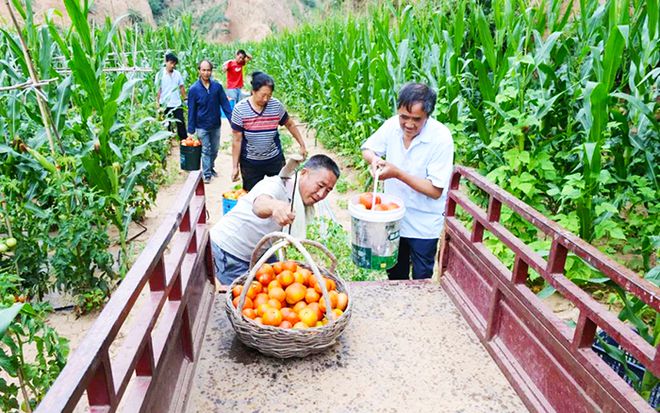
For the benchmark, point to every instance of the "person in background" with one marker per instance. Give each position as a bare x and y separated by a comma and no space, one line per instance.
256,147
205,98
419,156
234,70
172,93
267,208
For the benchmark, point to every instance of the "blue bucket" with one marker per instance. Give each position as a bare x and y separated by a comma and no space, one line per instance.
227,205
222,112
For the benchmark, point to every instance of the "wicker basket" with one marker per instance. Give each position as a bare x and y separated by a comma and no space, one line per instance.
283,342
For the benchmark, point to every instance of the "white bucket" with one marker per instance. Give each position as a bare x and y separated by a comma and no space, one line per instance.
375,234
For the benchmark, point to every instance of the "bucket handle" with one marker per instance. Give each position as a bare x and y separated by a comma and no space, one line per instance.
373,194
284,240
260,246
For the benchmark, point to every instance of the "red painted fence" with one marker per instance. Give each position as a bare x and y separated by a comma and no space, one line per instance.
550,364
152,366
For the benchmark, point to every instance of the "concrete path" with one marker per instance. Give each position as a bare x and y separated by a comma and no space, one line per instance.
405,349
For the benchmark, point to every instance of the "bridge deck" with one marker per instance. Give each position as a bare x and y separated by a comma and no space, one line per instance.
406,348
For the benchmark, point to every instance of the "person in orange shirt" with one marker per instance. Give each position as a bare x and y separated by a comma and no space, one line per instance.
234,70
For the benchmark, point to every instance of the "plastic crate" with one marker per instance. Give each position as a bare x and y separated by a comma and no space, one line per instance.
227,205
633,364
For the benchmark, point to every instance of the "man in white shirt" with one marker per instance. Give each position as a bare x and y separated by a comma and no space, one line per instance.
419,155
267,208
171,92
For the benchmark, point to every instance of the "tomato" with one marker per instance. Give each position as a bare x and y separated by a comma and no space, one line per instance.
236,291
311,296
285,324
295,292
367,198
290,265
272,317
308,316
277,293
342,301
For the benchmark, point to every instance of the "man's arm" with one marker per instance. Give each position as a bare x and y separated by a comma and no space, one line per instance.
291,126
158,98
387,170
182,90
237,139
265,206
225,65
192,112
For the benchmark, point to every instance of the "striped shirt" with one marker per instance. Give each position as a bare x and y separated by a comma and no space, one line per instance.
261,141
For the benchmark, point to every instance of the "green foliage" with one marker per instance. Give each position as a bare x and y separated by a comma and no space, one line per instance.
22,332
559,110
108,160
338,242
158,7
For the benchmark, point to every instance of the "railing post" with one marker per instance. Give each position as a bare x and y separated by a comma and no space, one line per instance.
101,388
186,336
585,331
184,226
157,277
557,258
520,271
146,364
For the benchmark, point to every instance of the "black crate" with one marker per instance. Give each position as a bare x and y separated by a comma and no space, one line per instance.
633,364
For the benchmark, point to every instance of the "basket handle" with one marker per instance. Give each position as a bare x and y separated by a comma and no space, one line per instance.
268,237
284,240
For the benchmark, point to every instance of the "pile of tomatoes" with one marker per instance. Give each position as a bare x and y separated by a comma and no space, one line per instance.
234,194
191,141
366,200
287,295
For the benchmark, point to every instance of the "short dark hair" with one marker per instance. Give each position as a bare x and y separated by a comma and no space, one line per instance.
260,79
199,65
171,57
241,51
322,161
412,93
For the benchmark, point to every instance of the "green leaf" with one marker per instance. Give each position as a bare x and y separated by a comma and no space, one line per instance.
612,56
486,38
7,315
86,76
79,21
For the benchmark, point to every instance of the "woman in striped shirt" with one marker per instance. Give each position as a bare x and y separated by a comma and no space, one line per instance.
256,147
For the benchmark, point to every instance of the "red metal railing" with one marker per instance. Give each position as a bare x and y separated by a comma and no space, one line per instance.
152,367
551,366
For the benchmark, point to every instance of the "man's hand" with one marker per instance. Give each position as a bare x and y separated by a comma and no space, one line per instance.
303,152
282,214
386,170
235,174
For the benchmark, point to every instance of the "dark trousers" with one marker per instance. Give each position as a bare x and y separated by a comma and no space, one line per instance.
177,114
252,174
418,252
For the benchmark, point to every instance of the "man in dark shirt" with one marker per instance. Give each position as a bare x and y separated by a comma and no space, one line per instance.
205,98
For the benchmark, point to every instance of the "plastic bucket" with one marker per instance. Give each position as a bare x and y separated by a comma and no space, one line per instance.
375,234
191,157
232,103
227,205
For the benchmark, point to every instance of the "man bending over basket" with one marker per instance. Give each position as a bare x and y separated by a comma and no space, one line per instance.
267,208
